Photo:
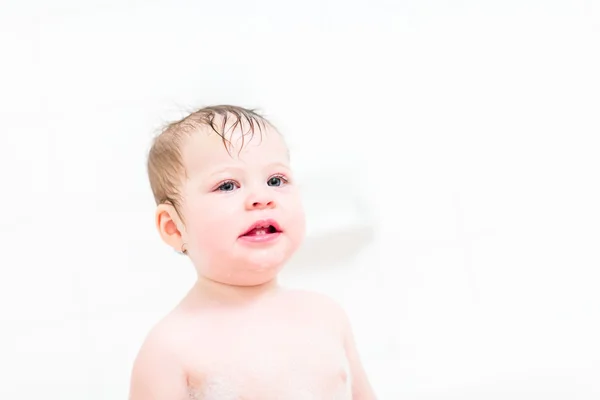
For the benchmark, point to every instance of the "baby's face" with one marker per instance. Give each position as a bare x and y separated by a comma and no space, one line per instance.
242,210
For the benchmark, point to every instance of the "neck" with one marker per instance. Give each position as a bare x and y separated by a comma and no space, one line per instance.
208,289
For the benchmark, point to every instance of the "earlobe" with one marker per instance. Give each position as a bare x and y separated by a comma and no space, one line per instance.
169,226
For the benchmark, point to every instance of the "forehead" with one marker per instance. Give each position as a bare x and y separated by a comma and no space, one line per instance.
205,150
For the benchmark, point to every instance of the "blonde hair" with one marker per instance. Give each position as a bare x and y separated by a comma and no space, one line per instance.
165,162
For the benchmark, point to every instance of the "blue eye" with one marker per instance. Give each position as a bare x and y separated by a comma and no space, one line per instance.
276,181
227,186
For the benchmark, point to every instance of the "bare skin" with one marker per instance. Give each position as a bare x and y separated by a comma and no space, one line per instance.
237,335
274,344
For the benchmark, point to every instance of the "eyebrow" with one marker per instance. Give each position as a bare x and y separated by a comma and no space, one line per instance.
233,168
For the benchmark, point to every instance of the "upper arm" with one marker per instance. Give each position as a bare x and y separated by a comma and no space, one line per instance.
157,372
361,387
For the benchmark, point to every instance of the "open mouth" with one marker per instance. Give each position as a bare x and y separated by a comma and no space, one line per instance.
262,228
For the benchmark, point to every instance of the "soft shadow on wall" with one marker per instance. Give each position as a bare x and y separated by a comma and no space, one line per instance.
339,223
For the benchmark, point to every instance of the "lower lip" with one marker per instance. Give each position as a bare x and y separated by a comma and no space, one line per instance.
268,237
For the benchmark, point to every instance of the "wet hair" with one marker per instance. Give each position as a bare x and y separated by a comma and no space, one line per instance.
165,165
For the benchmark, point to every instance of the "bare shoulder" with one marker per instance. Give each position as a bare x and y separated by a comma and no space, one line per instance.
320,304
321,299
162,337
158,369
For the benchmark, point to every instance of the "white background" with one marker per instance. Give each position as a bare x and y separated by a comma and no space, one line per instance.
469,128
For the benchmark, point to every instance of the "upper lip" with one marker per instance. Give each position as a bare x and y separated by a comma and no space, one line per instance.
263,223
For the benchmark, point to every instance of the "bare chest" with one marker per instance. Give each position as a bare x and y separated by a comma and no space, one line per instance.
285,358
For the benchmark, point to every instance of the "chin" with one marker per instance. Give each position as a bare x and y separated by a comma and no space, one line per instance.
255,281
250,267
250,278
255,272
263,260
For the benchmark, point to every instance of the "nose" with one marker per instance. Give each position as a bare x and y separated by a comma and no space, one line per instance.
260,200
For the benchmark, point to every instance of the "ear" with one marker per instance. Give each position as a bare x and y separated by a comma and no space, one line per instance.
170,226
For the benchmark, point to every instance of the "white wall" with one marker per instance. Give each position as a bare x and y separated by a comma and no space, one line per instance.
467,127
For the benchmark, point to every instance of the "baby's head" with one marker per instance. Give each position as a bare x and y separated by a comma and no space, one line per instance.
225,194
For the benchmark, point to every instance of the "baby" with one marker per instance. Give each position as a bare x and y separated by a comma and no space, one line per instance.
226,198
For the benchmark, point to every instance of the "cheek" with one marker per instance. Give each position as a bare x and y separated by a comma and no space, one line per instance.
213,229
296,222
210,234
